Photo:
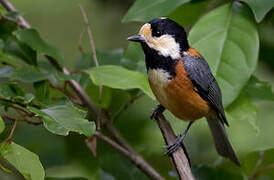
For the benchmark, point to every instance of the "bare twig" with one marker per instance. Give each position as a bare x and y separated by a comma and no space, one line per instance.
23,118
125,106
260,160
9,138
260,171
71,96
21,21
136,159
179,157
93,50
91,142
91,41
116,134
80,47
12,131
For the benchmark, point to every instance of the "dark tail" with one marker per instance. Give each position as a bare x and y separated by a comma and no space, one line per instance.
222,144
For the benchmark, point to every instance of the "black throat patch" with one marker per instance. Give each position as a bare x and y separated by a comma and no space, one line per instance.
156,61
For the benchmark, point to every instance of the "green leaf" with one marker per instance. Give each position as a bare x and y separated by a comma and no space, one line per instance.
2,10
25,161
29,74
213,173
73,178
228,39
32,38
14,47
6,72
11,91
61,119
190,12
242,109
133,58
260,8
93,92
119,78
259,90
20,50
145,10
2,125
6,28
42,92
110,57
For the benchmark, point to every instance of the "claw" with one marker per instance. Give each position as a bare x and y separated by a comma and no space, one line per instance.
175,145
158,109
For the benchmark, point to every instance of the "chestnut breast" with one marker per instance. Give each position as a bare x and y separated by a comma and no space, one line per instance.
177,93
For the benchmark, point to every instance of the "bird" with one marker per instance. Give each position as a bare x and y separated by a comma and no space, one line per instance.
182,82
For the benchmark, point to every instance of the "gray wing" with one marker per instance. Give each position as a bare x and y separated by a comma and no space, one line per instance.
206,85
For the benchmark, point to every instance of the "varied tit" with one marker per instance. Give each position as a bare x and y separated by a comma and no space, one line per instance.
182,82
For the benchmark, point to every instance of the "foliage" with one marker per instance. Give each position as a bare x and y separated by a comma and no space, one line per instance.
34,91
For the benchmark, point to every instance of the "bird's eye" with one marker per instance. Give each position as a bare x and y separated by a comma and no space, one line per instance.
158,33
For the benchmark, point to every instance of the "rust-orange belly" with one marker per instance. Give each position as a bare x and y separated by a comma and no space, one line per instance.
178,95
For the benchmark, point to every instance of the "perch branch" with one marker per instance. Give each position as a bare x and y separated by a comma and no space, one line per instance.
179,157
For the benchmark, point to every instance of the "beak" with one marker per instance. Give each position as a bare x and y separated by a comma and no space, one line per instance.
136,38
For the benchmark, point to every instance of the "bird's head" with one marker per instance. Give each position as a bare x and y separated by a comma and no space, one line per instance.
165,36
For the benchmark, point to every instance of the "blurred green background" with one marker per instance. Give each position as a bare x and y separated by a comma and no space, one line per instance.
60,23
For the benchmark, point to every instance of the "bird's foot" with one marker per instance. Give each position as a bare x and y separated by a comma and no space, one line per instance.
171,148
158,109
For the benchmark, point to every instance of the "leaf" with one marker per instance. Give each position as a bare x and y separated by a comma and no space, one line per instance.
93,92
6,27
133,58
72,178
20,50
14,47
259,90
145,10
110,57
29,74
228,39
25,161
242,109
2,10
260,8
188,13
119,78
105,176
2,125
42,91
213,173
61,119
11,91
6,72
32,38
